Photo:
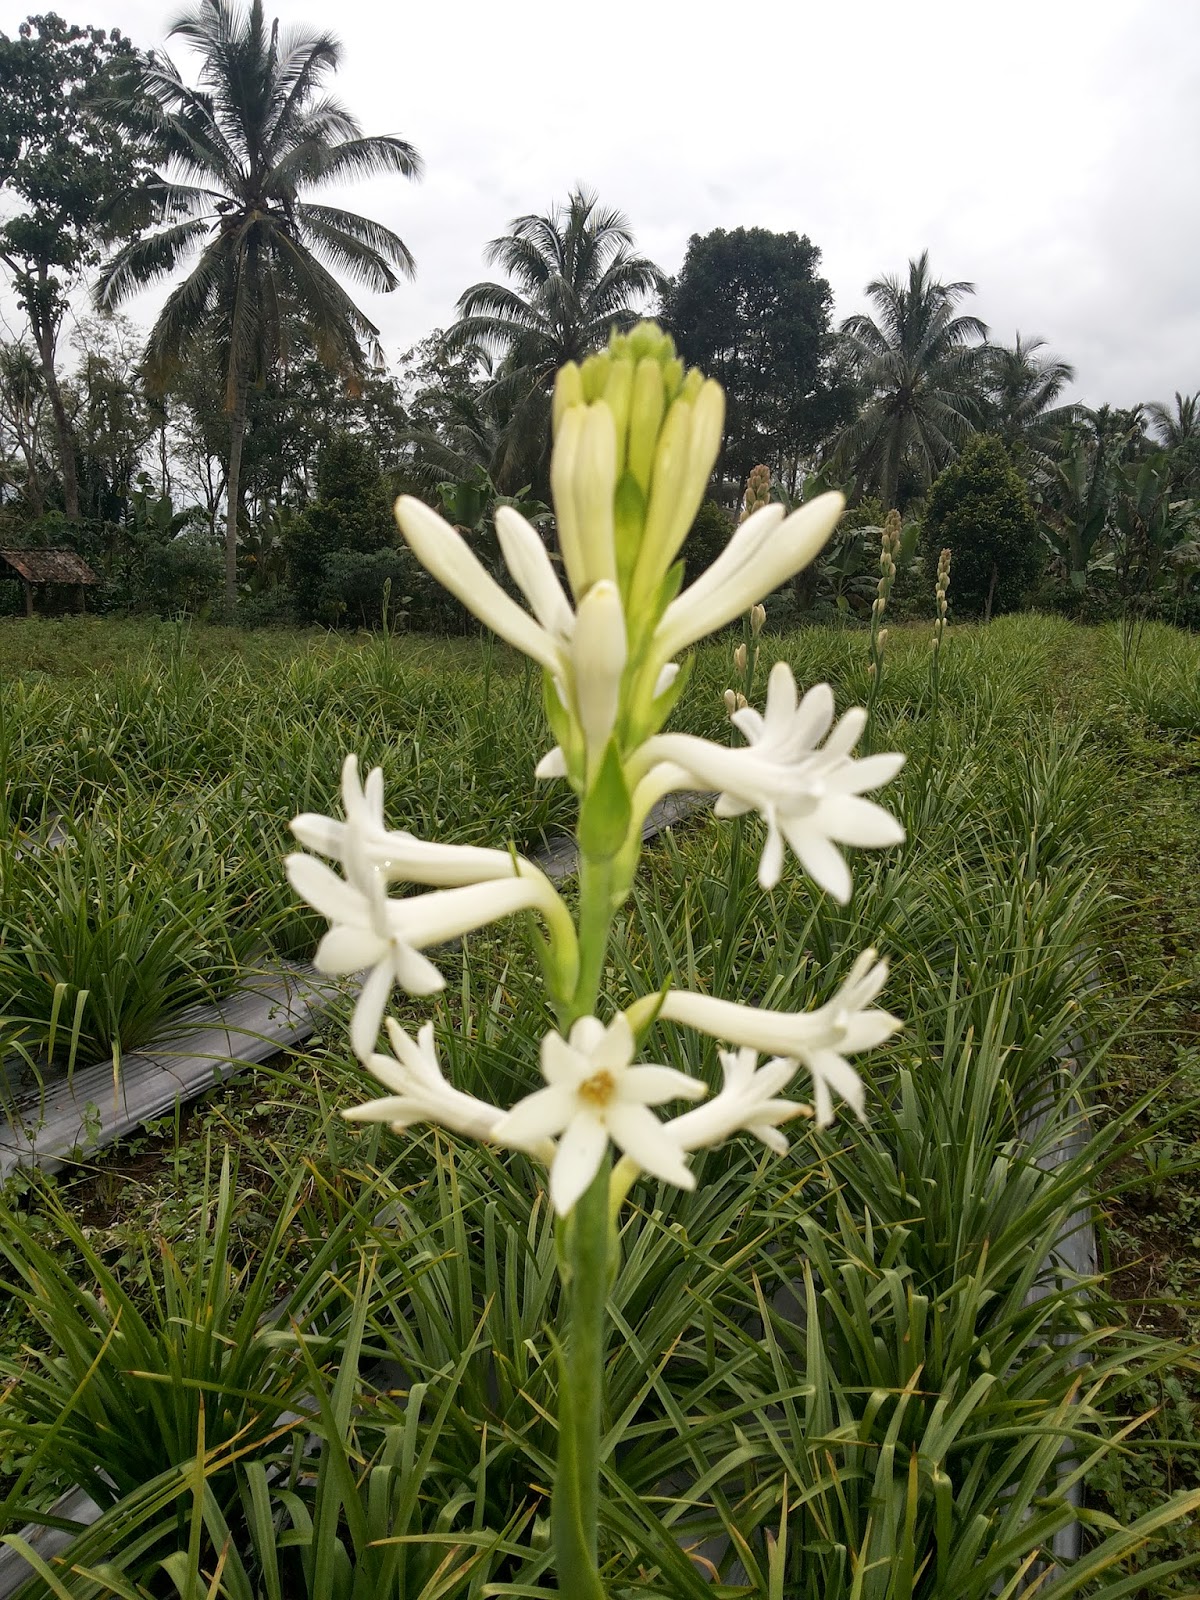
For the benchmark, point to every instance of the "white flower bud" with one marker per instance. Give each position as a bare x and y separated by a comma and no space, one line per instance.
598,651
594,482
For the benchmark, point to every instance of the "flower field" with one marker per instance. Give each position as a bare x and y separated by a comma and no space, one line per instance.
289,1356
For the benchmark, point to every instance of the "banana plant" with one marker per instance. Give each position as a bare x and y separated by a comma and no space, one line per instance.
1075,502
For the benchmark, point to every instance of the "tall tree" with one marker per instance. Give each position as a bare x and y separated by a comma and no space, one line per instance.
918,363
62,166
575,275
1022,386
452,430
750,308
237,155
22,397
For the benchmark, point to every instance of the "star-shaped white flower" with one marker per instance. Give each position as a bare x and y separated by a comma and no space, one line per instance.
370,931
593,1094
819,1040
384,937
808,794
748,1100
419,1091
364,842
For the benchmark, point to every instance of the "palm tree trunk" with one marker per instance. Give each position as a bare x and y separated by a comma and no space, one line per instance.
62,429
237,433
991,594
33,483
45,332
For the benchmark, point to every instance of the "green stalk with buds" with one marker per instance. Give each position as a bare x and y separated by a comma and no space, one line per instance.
889,549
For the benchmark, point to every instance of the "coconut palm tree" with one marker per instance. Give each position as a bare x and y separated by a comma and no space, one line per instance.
918,366
1179,426
236,156
1022,386
575,276
1178,432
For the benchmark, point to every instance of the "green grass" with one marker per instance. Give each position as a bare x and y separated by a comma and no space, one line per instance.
894,1432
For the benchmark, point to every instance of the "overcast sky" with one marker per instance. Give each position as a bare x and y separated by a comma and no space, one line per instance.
1047,150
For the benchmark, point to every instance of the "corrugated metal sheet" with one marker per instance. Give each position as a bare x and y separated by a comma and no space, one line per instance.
50,566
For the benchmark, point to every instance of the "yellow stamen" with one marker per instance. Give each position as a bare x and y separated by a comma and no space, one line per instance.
599,1089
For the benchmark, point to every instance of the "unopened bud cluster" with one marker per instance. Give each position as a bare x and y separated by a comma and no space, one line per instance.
758,491
636,436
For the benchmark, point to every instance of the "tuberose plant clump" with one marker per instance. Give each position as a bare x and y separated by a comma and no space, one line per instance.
635,440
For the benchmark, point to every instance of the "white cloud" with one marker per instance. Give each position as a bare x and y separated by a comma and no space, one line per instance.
1044,149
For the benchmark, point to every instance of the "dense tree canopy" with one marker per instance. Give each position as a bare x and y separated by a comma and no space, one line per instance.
60,168
980,508
751,310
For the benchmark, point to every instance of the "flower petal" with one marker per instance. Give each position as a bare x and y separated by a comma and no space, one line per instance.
552,765
348,949
821,860
829,1068
526,558
332,896
368,1011
561,1062
750,567
540,1115
643,1138
847,733
400,1110
318,833
588,1035
576,1161
443,552
848,819
770,867
654,1086
414,972
872,772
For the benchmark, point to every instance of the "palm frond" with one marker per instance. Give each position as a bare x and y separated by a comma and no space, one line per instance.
144,260
315,164
362,233
347,252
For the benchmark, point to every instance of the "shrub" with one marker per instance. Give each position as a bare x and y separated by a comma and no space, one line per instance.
980,508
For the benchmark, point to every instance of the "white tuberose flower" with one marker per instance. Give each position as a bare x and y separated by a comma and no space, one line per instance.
419,1091
808,794
747,1100
593,1093
364,841
820,1040
369,930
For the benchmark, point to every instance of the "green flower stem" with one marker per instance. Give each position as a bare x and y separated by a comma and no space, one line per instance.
596,879
577,1484
586,1236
